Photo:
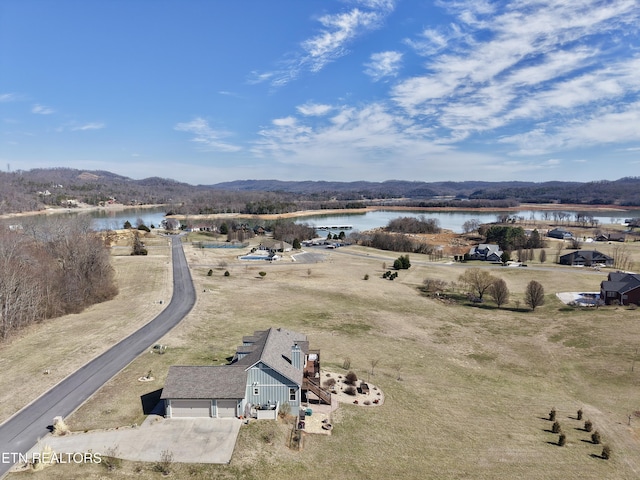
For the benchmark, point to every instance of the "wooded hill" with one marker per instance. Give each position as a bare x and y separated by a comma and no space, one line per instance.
36,189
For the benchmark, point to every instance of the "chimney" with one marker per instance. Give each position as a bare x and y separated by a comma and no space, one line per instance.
296,356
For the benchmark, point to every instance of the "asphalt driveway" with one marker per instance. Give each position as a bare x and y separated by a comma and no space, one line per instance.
189,440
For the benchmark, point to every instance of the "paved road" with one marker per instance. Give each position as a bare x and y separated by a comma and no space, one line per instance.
21,432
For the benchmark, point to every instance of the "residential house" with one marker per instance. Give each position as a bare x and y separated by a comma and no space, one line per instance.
621,288
270,368
487,252
586,258
171,224
560,233
611,237
274,245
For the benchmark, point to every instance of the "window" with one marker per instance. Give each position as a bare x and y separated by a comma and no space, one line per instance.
256,391
292,394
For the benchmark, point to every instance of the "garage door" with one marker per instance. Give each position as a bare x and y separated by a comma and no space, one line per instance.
190,408
227,408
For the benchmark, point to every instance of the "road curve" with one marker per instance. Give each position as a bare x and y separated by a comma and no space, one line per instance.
22,431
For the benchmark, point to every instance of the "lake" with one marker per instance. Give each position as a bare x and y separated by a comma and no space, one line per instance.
115,219
451,220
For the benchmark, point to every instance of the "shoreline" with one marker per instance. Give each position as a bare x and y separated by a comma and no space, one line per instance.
83,208
331,211
356,211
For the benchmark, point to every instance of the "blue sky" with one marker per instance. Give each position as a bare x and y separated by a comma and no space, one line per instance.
206,91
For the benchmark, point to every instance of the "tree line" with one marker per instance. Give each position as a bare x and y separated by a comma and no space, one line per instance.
480,282
35,189
51,269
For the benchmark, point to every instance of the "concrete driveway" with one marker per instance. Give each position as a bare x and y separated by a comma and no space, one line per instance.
189,440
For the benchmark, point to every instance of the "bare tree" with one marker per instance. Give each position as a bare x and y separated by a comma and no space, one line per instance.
543,256
478,280
499,292
559,248
51,269
534,294
622,257
431,286
373,362
471,225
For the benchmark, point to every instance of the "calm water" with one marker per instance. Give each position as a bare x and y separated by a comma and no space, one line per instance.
103,220
447,220
112,220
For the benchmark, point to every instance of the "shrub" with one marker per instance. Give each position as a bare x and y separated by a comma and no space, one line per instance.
580,414
268,436
556,427
226,273
59,426
595,437
552,415
346,364
402,263
606,452
366,276
351,378
285,409
209,273
110,460
562,439
431,286
588,426
350,391
262,274
329,382
164,465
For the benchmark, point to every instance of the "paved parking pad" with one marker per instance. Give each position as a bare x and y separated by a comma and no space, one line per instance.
189,440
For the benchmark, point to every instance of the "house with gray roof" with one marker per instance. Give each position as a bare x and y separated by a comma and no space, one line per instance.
487,252
621,288
270,368
560,233
586,258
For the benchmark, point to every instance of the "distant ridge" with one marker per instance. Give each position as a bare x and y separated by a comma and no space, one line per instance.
625,191
36,189
403,188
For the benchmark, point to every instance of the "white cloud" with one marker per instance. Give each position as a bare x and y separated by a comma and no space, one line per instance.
353,138
606,126
532,66
383,64
42,109
8,97
337,31
208,138
89,126
314,109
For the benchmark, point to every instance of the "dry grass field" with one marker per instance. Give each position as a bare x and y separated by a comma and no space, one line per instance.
468,389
